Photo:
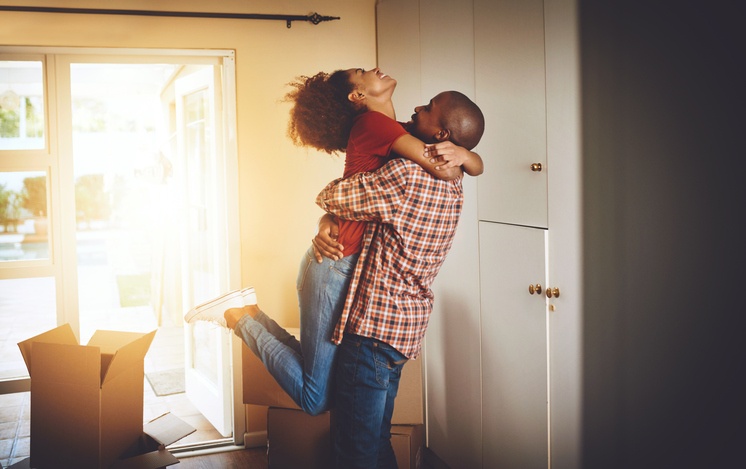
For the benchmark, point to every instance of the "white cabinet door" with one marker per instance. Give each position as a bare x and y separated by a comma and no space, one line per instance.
514,347
510,89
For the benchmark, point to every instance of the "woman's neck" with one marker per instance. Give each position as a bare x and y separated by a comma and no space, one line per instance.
384,107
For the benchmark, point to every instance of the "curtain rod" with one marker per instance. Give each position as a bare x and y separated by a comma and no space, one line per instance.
314,18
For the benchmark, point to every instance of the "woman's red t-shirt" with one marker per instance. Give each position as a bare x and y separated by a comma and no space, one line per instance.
368,148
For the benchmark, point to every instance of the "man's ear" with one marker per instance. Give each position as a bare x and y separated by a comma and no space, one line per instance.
442,135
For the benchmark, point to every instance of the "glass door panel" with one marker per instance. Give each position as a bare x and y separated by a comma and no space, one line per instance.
121,182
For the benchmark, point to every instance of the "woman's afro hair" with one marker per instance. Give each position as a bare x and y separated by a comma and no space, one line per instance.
322,114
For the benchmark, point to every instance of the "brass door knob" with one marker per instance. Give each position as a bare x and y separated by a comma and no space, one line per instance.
553,292
535,289
536,167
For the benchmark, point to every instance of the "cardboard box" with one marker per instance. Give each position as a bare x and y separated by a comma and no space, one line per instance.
408,441
409,408
86,401
296,439
260,388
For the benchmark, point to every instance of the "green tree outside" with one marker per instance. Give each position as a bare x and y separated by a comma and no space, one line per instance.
34,196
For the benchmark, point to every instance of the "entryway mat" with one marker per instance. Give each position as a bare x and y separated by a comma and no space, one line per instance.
166,383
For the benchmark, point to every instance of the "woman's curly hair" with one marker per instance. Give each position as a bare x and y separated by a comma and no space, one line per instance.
322,115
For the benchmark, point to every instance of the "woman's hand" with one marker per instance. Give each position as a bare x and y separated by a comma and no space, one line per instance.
325,243
448,153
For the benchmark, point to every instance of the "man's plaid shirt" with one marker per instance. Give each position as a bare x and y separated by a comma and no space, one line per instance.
416,217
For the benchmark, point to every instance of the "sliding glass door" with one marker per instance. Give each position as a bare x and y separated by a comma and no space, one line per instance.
120,166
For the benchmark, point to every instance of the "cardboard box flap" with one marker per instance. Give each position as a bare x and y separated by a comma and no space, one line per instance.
168,429
65,363
152,460
120,350
60,335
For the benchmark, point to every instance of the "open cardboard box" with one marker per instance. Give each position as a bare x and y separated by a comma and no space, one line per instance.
86,400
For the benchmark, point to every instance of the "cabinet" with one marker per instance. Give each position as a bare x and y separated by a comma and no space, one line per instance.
513,217
514,346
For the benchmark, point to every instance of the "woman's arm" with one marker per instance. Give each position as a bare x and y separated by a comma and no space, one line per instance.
414,149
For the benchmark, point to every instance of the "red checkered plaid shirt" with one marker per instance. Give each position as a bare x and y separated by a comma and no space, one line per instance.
390,297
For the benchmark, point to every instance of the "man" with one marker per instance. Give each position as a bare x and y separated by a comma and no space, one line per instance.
389,301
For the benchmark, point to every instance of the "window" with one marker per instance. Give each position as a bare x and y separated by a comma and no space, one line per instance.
21,105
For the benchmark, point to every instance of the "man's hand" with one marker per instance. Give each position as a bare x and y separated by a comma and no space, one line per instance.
325,243
448,153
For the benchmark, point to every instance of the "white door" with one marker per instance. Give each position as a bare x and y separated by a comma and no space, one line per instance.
204,241
514,346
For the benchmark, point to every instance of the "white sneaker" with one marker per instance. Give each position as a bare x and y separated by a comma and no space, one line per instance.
213,310
249,296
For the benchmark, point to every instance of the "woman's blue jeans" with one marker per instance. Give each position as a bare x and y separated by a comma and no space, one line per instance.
305,369
368,374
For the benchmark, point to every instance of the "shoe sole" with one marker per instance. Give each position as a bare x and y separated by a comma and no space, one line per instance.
214,303
247,296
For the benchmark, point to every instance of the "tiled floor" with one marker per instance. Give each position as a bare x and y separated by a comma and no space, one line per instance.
14,428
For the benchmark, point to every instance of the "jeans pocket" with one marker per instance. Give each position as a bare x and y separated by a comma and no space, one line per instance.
388,362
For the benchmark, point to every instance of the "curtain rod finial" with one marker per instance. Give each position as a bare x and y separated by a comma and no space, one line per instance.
314,18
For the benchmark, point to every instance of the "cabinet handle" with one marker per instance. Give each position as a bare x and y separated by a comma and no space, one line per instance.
535,289
553,292
536,167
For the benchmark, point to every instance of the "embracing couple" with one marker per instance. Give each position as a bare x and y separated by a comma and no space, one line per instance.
364,284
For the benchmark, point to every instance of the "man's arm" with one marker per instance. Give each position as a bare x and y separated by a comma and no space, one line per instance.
368,196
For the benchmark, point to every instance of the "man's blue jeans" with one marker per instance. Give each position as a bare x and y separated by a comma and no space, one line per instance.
368,374
305,370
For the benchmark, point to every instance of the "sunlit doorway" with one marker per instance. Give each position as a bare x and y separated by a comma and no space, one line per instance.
136,143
